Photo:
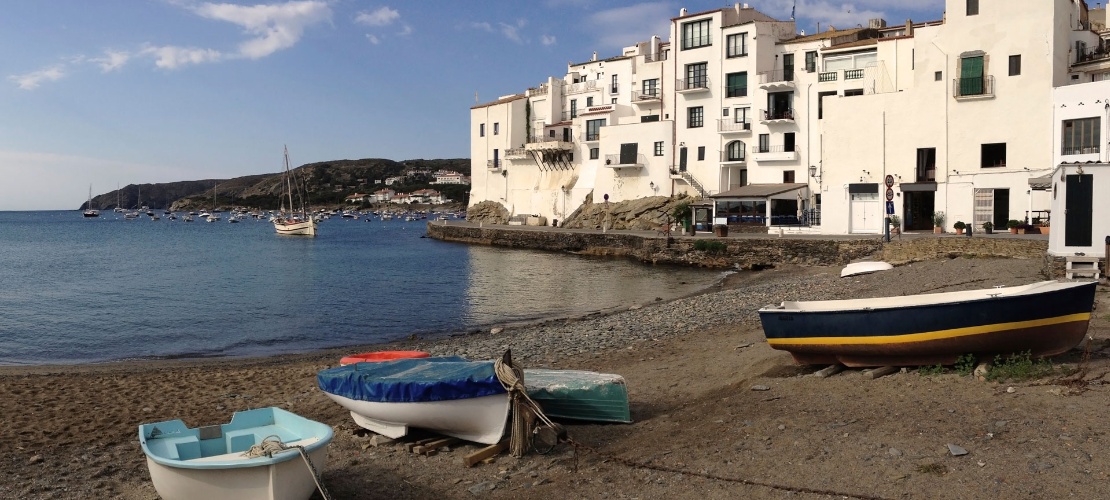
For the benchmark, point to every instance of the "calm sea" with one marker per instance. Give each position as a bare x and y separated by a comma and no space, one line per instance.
79,290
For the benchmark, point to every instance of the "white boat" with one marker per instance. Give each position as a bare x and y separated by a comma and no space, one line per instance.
221,462
452,396
89,210
865,267
293,224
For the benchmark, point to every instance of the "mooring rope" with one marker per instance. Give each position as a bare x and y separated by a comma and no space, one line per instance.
272,445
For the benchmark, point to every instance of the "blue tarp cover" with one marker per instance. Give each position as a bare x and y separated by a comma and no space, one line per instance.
412,380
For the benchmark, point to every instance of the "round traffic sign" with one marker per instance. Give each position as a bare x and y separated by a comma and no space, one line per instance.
889,194
889,181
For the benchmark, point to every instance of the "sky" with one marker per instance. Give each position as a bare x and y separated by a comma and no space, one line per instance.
108,93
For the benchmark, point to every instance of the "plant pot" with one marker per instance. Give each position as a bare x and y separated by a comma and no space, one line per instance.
1013,230
988,231
1045,229
938,229
959,231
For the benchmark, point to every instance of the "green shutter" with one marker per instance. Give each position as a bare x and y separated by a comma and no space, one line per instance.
971,76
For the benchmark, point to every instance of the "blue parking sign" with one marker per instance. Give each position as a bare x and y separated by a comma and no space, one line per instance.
890,208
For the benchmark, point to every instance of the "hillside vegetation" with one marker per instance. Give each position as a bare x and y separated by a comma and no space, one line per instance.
326,183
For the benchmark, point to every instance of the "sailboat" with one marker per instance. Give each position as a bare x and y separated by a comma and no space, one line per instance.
293,224
118,209
89,210
215,215
138,202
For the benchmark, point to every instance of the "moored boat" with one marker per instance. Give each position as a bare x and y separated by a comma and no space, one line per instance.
579,395
220,462
865,267
293,225
1044,319
451,395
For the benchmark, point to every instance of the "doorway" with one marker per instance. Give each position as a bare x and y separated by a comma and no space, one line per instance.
1077,210
917,210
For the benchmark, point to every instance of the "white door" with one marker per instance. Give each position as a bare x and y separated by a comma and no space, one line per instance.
866,213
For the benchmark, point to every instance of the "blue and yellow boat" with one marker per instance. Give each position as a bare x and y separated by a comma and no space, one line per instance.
1044,319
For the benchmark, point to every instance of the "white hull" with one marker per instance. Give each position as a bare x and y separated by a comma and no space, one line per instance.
288,480
865,267
481,420
299,228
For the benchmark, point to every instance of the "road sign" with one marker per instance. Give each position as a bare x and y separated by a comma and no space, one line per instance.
890,208
889,194
890,181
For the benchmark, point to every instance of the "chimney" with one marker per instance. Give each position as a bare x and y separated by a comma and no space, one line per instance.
594,58
682,12
909,27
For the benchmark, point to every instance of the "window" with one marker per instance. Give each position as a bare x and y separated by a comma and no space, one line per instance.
1081,136
496,128
481,130
971,75
724,112
736,84
695,117
649,118
926,164
736,45
811,61
658,148
595,153
695,34
1015,65
937,76
696,76
734,151
701,153
740,115
853,92
993,155
788,142
650,87
821,103
589,101
613,100
972,7
788,177
574,108
788,67
593,129
613,86
764,143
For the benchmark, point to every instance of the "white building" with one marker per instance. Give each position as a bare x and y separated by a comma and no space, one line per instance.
1080,183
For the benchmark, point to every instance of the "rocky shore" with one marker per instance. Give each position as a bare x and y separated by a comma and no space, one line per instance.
718,414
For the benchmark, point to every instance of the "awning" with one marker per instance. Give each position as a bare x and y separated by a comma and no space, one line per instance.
760,191
1041,183
911,187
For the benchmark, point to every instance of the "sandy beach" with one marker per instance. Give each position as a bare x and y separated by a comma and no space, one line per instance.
718,413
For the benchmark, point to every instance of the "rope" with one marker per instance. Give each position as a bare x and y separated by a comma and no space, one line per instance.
521,437
272,445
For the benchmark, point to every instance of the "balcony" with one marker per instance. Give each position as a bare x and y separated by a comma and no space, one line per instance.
493,164
783,115
728,126
779,79
649,97
1079,150
1088,55
828,76
853,74
659,56
516,153
736,158
570,115
580,87
549,143
691,85
614,161
541,90
973,88
774,153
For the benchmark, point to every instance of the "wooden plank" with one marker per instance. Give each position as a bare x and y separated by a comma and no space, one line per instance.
484,453
431,447
413,444
829,371
881,371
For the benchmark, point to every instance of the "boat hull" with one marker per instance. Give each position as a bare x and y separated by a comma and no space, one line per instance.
299,228
1044,319
288,480
579,395
480,419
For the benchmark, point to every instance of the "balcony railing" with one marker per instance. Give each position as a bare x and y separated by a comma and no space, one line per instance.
540,139
728,125
1079,150
651,95
828,76
615,161
774,149
735,157
570,115
926,175
692,84
578,88
659,56
853,74
778,114
777,76
516,153
493,164
614,88
973,87
541,90
1092,54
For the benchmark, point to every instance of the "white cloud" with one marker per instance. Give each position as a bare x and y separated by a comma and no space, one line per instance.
274,27
112,60
406,30
484,26
32,80
845,15
383,16
547,39
512,32
373,39
626,26
171,57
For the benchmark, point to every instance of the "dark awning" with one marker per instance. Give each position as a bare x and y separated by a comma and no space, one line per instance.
1041,183
760,190
911,187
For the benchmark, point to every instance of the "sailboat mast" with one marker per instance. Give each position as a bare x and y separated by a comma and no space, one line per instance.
289,182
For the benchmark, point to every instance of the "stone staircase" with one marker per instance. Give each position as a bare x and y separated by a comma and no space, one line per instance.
689,178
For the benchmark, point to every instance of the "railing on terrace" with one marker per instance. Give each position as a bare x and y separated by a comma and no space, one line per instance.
578,88
540,139
778,114
570,115
778,75
726,157
1092,54
516,153
774,149
1079,150
828,76
727,125
541,90
659,56
971,87
853,74
493,164
615,159
692,84
651,95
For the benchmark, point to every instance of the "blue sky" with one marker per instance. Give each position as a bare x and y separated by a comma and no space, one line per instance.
117,92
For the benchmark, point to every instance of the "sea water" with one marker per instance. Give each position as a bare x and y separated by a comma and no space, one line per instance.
77,290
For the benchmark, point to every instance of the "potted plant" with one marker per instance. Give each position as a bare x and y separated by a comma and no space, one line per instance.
938,222
988,227
959,226
1014,225
1044,226
895,224
682,214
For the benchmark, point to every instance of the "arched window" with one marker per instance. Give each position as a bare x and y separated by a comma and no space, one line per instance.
734,151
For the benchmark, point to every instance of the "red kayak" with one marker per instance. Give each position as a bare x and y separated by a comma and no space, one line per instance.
376,356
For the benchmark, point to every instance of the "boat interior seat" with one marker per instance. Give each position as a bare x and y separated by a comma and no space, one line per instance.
188,448
238,455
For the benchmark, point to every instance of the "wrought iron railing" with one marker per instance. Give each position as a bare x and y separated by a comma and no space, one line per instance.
727,125
651,95
774,149
778,114
975,86
1079,150
615,160
733,156
700,83
659,56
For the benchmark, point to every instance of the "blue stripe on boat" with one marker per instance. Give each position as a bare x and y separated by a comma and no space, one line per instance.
412,380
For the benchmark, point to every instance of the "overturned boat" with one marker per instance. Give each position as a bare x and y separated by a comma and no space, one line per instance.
1044,319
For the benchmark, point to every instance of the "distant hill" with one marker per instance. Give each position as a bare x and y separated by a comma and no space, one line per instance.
327,184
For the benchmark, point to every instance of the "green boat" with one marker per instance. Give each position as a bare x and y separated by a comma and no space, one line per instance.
579,395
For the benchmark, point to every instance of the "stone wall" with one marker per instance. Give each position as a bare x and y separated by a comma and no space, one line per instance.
1034,251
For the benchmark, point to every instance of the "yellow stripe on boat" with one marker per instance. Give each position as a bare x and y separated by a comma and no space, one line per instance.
936,335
